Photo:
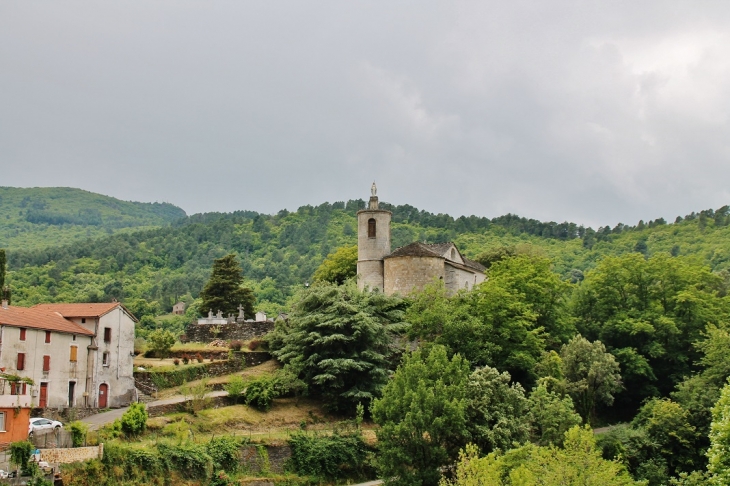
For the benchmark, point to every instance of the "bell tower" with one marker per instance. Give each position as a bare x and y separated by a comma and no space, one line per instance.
373,243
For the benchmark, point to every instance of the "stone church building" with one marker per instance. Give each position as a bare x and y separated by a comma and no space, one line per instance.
410,267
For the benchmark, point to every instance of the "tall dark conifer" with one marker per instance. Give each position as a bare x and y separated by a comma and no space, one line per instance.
223,292
2,268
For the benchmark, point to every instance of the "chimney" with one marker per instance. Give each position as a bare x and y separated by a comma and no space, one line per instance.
5,303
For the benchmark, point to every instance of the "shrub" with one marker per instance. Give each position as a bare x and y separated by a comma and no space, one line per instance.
235,387
197,395
329,457
78,433
235,345
176,362
199,357
253,344
20,455
225,452
185,359
260,393
134,420
191,461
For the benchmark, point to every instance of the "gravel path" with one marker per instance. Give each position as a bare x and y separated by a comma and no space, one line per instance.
101,419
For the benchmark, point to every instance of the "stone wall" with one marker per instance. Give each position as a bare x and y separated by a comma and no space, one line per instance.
405,274
76,454
243,331
265,458
64,415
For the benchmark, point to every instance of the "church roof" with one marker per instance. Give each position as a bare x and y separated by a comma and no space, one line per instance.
417,249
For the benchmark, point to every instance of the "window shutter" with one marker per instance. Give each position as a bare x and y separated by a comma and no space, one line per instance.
48,337
108,334
22,334
46,363
74,353
21,361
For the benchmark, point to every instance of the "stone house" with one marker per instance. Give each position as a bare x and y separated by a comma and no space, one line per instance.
411,267
179,309
110,356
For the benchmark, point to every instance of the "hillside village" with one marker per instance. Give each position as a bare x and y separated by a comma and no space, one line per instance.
226,388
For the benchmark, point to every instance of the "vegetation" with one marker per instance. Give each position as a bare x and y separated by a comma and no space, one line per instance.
134,420
223,292
160,342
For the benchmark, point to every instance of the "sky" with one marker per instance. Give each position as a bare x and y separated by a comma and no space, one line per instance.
596,112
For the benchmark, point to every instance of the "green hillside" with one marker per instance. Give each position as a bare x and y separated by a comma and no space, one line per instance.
150,269
44,216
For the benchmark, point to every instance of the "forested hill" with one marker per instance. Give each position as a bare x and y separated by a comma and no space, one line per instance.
149,270
42,216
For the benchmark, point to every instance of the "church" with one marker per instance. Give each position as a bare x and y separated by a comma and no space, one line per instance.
411,267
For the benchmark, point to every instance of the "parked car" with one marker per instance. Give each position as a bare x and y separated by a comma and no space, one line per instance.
40,423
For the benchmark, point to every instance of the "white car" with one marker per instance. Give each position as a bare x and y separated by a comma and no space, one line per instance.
40,423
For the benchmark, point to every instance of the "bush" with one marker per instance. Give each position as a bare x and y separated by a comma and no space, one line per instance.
191,461
20,455
225,452
134,420
199,357
185,359
254,343
332,457
176,362
260,393
235,388
78,433
235,345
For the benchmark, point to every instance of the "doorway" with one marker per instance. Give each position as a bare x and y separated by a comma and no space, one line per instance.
71,393
103,394
43,399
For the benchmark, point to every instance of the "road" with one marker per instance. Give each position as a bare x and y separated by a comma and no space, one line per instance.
101,419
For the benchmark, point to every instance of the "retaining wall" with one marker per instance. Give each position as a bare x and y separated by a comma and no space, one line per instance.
76,454
265,458
243,331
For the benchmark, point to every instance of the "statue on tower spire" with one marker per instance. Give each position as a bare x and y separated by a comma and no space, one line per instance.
373,197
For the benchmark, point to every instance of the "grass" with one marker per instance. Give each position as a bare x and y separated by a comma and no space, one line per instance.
167,364
196,347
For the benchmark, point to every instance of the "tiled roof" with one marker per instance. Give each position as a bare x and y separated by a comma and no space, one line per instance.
440,248
81,310
414,249
474,265
35,318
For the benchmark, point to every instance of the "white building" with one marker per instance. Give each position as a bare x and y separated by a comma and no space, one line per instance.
110,357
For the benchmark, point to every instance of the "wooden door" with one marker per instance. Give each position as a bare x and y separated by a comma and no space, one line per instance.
43,400
103,394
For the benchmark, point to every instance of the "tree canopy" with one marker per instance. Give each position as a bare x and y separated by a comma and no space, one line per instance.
224,291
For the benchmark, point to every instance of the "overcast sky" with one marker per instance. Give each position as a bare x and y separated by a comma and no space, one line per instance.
593,112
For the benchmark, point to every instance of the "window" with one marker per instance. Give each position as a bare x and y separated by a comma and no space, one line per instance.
74,353
73,338
107,334
46,363
83,320
17,388
453,254
21,361
105,359
2,421
48,337
371,228
22,333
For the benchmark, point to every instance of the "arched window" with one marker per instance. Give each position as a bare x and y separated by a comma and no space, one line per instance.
453,254
371,228
466,285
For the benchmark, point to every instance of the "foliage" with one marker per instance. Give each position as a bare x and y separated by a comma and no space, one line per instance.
422,417
329,457
338,266
79,430
338,342
235,387
134,420
719,453
550,416
224,292
160,342
260,393
20,453
190,460
495,410
196,395
225,452
591,374
3,268
578,463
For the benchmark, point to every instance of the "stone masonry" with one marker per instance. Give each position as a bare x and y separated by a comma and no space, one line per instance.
243,331
76,454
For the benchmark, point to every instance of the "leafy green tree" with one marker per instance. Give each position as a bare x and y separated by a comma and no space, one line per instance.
134,420
338,342
422,417
3,263
550,416
224,292
719,453
160,342
338,266
496,410
592,375
235,387
578,463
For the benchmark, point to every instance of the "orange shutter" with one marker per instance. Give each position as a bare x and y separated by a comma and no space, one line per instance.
74,352
46,363
21,361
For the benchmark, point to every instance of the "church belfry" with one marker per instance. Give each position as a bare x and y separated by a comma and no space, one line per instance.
373,242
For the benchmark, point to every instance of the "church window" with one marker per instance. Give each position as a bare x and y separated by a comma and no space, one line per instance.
371,228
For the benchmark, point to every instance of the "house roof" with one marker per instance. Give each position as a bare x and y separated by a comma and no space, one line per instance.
474,265
83,309
35,318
